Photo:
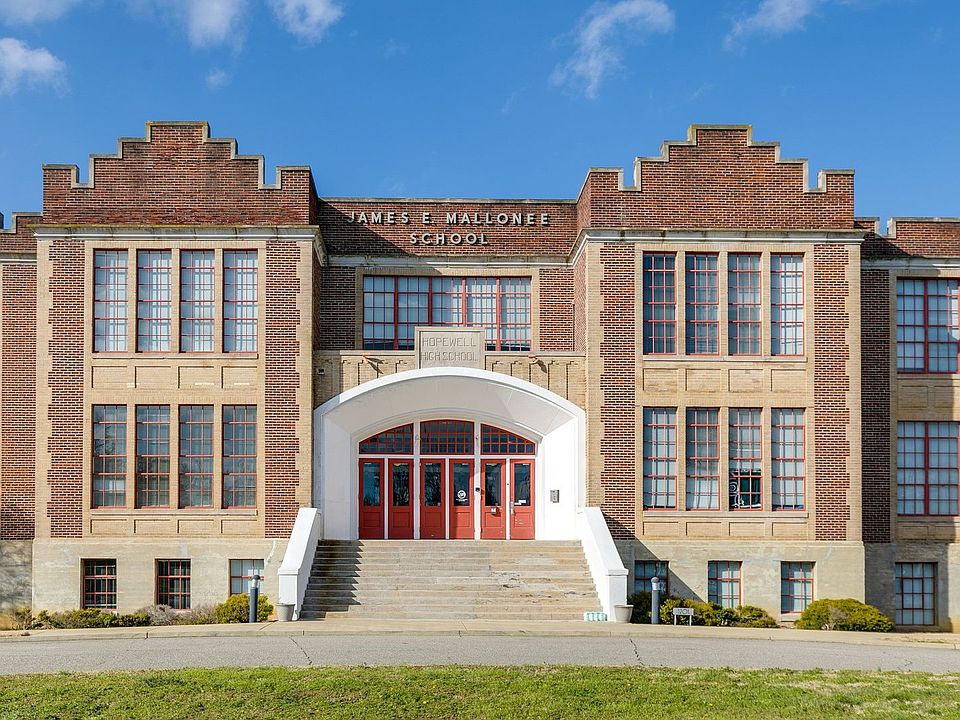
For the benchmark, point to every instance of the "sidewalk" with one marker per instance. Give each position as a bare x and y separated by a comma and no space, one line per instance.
546,628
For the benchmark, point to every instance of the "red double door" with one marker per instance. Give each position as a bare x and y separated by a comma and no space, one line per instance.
500,507
391,480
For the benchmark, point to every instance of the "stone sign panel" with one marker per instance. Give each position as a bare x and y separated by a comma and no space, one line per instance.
450,347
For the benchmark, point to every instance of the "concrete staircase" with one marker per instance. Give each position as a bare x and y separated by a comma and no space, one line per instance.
450,579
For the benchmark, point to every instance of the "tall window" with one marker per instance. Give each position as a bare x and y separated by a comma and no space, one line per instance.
196,456
109,456
703,459
394,306
240,571
928,325
239,456
196,301
154,301
796,586
746,486
659,303
110,301
659,458
99,584
928,475
915,593
789,466
173,583
786,304
743,299
645,570
723,583
703,308
240,301
153,455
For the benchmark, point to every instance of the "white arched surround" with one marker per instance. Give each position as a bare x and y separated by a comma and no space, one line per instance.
555,424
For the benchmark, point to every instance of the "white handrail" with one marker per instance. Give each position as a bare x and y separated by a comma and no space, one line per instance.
298,559
606,567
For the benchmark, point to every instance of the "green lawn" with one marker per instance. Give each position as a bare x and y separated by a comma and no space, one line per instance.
461,692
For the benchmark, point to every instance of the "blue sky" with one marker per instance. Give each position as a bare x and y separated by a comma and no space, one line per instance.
500,98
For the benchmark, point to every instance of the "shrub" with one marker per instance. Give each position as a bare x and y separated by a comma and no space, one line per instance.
160,614
753,616
641,607
236,609
199,615
89,618
709,614
703,613
843,614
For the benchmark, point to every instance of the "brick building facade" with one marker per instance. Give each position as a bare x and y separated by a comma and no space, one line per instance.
756,387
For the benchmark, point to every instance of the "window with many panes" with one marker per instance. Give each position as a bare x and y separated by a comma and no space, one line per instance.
240,572
703,304
446,437
746,455
723,583
173,583
153,456
788,460
154,300
928,474
240,301
239,456
110,300
796,586
393,306
196,300
196,456
99,584
645,570
928,325
659,304
786,305
703,459
659,458
915,593
395,441
109,487
743,304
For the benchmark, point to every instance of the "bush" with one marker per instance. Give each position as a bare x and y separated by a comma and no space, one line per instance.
641,607
236,609
753,616
89,618
703,613
844,614
707,614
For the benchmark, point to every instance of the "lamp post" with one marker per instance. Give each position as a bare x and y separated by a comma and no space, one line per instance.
655,600
254,595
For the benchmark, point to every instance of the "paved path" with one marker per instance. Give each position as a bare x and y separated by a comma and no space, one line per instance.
158,652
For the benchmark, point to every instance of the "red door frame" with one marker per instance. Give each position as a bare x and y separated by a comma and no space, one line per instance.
461,516
433,517
522,517
400,523
493,520
369,517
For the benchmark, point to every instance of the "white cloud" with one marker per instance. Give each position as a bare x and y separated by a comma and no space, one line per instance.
597,53
30,11
772,17
20,64
207,22
216,78
307,19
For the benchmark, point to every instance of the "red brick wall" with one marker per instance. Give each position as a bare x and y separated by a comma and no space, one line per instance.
926,237
557,316
580,303
19,237
875,403
18,400
335,304
832,408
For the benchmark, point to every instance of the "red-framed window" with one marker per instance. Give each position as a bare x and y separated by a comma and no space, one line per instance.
196,300
99,584
173,583
240,572
446,437
746,456
723,583
659,458
109,486
393,306
796,586
240,301
703,304
928,325
395,441
196,456
645,570
915,593
786,305
928,469
659,303
703,459
788,458
743,303
239,456
154,300
110,300
494,441
153,456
